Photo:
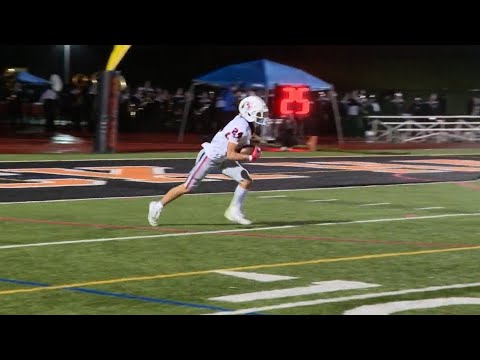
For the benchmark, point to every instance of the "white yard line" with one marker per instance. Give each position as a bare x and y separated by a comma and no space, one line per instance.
66,242
344,298
230,193
430,208
397,219
256,276
272,196
399,306
315,288
322,200
374,204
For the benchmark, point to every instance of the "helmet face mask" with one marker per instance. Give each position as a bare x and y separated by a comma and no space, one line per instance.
254,109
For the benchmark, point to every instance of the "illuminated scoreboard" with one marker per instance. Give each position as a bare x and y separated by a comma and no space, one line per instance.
291,100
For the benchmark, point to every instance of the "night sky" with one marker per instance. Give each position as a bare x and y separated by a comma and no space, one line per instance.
346,66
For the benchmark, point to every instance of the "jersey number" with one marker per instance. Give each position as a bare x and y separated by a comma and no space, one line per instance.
234,133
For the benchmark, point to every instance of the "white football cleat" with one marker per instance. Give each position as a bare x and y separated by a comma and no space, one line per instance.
154,210
236,216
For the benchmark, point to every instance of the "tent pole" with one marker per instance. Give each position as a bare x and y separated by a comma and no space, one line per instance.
266,95
336,114
186,110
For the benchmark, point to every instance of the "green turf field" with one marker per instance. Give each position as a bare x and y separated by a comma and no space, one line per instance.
102,257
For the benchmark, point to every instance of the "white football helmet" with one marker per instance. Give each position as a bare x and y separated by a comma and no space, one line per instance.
254,109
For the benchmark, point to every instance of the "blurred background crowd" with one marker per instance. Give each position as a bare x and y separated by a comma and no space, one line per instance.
29,106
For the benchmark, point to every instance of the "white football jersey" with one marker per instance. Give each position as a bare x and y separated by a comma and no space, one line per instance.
236,131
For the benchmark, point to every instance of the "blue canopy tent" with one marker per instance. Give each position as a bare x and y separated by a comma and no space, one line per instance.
262,74
27,78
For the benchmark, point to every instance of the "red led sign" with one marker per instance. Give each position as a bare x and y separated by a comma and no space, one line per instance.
292,100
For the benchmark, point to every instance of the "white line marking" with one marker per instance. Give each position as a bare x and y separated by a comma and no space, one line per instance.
431,208
272,196
265,155
399,306
395,219
143,237
256,276
322,200
317,288
374,204
230,231
230,193
345,298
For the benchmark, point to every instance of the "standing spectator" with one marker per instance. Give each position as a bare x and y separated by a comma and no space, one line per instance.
416,107
90,97
398,104
353,126
230,106
442,100
178,104
286,133
49,99
433,105
202,113
77,104
474,105
15,105
387,106
372,108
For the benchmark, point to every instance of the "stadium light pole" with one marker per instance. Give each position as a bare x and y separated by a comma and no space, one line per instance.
66,63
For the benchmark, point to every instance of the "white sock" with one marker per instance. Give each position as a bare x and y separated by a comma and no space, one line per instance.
238,197
158,205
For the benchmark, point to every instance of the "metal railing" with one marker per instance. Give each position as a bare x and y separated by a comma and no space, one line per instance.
403,129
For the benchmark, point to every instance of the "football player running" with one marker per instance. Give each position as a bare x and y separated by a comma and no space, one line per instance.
221,153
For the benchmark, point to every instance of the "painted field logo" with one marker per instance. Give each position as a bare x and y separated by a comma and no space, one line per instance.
393,167
83,176
95,176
